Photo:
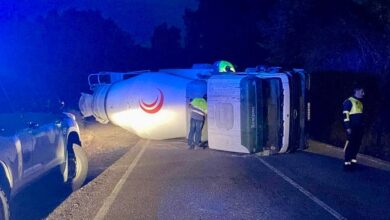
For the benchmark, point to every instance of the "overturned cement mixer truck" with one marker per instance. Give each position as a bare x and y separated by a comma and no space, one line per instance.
264,110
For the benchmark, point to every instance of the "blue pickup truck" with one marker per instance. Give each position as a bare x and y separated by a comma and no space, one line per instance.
36,137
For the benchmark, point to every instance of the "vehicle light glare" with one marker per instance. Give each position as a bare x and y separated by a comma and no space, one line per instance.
142,123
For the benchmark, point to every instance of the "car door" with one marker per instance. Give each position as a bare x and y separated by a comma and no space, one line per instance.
46,131
18,141
27,144
14,131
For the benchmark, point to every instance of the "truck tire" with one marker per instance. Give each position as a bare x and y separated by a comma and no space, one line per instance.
76,167
4,207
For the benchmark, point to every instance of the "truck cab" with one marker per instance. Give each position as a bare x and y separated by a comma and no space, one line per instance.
259,111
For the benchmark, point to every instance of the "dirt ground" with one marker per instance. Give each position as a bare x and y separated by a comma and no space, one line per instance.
104,144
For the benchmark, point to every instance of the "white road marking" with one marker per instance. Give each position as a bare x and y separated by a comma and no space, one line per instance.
304,191
111,198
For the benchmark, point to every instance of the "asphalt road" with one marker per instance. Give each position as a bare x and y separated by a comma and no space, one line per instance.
104,145
164,180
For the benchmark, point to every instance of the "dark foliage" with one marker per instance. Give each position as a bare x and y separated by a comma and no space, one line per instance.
226,30
336,41
53,54
166,51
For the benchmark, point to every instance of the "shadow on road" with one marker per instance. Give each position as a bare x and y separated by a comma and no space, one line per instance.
39,199
360,194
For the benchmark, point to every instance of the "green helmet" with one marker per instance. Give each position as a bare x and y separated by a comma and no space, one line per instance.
224,66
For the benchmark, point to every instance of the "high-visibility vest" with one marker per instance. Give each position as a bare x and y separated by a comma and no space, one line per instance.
199,106
357,106
353,113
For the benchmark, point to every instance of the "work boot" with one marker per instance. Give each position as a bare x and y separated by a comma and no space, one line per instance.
203,145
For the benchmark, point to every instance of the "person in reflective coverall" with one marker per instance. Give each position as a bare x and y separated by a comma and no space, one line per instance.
198,114
354,127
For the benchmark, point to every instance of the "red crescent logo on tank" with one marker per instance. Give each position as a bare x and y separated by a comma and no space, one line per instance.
155,106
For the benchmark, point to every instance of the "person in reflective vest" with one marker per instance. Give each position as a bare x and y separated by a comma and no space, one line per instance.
198,115
353,125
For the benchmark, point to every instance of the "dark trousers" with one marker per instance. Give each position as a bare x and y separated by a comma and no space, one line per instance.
352,146
194,137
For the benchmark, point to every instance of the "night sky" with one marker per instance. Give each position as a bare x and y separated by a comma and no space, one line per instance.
138,17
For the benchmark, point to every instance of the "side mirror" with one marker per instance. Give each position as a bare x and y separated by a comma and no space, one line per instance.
55,105
61,105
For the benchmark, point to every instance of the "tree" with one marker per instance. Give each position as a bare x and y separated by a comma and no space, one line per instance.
166,49
226,30
165,37
63,49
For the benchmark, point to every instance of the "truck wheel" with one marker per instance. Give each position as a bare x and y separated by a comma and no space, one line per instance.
76,167
4,208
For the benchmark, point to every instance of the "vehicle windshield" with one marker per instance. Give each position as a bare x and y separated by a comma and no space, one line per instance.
272,94
10,120
21,103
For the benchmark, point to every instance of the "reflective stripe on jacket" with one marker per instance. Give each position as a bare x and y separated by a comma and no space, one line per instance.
353,112
198,108
199,105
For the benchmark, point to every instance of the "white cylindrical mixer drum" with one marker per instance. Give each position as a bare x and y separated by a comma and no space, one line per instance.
151,105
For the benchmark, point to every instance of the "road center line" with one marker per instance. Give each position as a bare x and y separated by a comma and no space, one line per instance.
111,198
304,191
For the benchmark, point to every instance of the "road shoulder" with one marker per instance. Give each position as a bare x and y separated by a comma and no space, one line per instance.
317,147
87,201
